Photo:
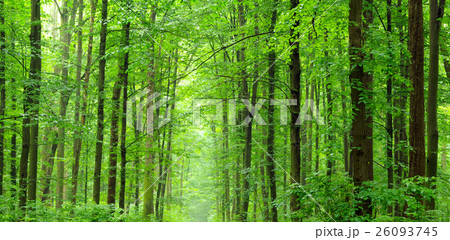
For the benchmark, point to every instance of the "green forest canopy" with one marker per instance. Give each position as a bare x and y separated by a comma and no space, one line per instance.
132,110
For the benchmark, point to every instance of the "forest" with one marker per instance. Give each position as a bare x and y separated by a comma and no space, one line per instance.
224,111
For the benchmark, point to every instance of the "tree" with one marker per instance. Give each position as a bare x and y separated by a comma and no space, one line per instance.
417,162
247,124
361,151
101,102
2,90
35,77
123,67
84,112
295,73
114,141
78,132
148,184
66,28
436,14
389,127
271,127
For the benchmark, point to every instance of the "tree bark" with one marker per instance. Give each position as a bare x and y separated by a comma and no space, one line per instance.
330,135
271,127
78,130
347,166
66,28
247,125
123,150
87,77
389,128
35,77
417,162
400,99
361,152
114,139
2,91
148,180
48,160
13,155
295,73
101,102
226,170
436,14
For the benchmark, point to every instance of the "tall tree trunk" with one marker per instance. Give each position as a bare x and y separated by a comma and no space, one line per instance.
148,180
436,14
389,130
114,139
166,174
417,162
2,90
226,170
330,135
66,28
271,127
123,150
35,77
347,166
400,99
87,77
247,125
101,102
304,138
295,73
13,174
136,162
78,131
361,154
316,93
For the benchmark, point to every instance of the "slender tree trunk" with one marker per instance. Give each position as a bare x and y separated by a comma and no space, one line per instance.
389,128
368,84
35,77
247,125
295,73
148,180
264,194
78,131
271,127
114,139
13,174
330,135
123,150
436,14
166,174
389,140
304,138
137,161
316,92
101,102
417,162
347,166
93,4
66,28
48,156
2,91
400,99
226,170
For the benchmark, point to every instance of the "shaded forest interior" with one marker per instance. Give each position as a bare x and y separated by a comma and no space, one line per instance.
135,110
